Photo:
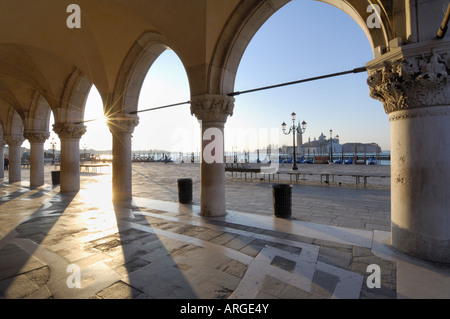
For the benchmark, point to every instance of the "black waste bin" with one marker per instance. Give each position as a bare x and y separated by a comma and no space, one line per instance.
185,190
282,200
56,177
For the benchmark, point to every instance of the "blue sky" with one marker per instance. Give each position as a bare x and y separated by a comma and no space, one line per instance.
305,38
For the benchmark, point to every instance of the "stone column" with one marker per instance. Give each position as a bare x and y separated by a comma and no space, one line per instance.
414,86
212,112
37,140
70,135
15,165
2,158
122,127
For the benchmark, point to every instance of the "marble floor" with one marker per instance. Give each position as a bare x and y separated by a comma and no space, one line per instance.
81,246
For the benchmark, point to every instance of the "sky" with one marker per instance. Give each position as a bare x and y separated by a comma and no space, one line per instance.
303,39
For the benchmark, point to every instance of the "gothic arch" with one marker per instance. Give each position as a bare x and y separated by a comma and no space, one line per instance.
38,118
250,15
70,107
14,123
143,53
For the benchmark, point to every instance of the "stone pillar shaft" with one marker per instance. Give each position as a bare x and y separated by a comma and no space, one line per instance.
2,158
70,135
14,142
414,87
122,128
212,112
420,171
37,140
212,175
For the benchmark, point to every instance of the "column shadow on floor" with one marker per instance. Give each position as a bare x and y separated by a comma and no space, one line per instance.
35,228
152,272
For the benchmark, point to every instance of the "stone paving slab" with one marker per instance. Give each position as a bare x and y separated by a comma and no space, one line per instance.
164,250
157,254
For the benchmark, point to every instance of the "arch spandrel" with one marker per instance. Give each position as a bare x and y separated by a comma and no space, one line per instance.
38,118
14,123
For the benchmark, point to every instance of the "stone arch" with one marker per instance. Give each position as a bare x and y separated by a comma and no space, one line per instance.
38,118
14,123
248,18
143,53
8,97
70,108
2,125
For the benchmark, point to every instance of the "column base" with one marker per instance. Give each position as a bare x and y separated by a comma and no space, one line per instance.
123,209
420,246
212,213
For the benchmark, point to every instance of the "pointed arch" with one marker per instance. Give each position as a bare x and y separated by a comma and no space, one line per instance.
72,102
38,118
14,123
248,18
143,53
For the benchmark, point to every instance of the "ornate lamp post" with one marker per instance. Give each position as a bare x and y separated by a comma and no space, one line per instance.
331,145
294,129
53,144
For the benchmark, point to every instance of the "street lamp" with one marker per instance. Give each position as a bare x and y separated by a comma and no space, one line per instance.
294,129
53,144
331,145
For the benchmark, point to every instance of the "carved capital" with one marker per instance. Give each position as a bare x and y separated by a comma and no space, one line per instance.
69,131
212,107
36,137
123,123
411,82
14,140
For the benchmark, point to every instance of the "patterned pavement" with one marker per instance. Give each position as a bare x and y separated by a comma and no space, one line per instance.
81,246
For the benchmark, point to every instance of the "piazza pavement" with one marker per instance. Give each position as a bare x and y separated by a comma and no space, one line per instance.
81,246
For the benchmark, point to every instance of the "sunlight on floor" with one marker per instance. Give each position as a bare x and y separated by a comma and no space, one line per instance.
97,193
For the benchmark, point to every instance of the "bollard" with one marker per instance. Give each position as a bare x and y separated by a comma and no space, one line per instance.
282,200
56,177
185,190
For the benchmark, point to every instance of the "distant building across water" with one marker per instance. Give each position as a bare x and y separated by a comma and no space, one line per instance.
323,146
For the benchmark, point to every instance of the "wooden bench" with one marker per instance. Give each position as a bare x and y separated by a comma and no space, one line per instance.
357,176
296,174
243,170
88,168
93,168
327,176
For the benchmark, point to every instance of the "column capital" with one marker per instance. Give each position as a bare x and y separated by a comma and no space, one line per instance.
14,140
212,107
123,123
411,80
69,131
36,137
